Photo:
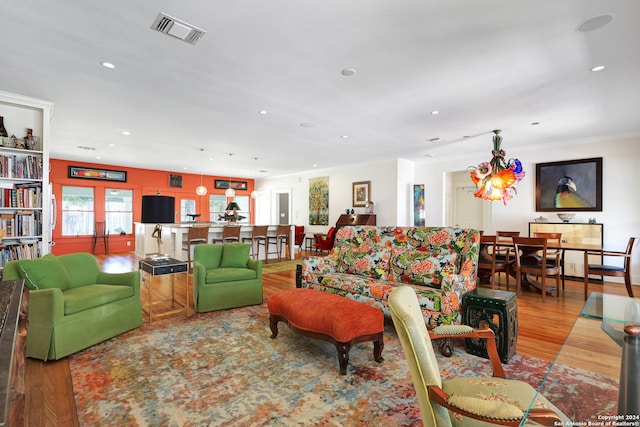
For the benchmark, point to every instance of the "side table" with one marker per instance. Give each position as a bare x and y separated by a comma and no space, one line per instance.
158,267
497,310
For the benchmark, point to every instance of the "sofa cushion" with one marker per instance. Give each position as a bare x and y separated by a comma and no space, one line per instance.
89,296
235,255
367,261
420,267
218,275
44,273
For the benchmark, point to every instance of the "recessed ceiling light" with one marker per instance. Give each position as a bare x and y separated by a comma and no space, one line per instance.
434,139
535,123
126,133
598,68
185,168
347,72
108,65
98,157
263,112
594,23
112,144
344,136
428,155
435,112
315,165
306,125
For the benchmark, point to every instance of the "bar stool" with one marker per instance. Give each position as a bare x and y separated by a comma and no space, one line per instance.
230,234
281,238
196,235
258,238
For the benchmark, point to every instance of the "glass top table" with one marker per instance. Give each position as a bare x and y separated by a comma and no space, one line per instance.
596,375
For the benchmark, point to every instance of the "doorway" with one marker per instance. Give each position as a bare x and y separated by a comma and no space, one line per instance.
282,208
465,210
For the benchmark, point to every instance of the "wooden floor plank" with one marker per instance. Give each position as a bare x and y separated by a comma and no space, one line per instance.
542,329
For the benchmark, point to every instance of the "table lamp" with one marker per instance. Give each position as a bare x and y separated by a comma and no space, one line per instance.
158,210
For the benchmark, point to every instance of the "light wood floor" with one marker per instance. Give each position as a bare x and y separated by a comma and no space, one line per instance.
542,330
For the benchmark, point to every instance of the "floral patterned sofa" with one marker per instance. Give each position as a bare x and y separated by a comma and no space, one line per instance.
368,262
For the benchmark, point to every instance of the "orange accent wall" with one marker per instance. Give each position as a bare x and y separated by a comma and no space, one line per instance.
141,182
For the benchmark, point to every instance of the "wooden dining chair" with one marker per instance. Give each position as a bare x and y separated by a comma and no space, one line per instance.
531,258
555,256
100,233
502,251
488,262
230,234
602,270
197,235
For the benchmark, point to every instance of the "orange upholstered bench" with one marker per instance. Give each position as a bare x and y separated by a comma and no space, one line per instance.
332,318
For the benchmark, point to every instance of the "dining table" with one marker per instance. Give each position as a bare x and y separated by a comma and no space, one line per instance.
528,280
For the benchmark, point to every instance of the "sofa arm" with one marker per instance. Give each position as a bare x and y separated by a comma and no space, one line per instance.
255,265
314,266
45,306
130,278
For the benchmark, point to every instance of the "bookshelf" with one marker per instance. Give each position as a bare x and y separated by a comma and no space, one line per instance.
25,193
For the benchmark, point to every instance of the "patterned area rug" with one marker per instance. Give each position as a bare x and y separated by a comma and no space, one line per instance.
278,267
222,368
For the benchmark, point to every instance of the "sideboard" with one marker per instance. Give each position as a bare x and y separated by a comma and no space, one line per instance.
356,219
575,233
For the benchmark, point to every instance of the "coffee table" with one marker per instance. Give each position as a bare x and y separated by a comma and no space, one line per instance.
605,339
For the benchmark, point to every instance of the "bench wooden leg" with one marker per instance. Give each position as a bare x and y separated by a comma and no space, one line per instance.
343,355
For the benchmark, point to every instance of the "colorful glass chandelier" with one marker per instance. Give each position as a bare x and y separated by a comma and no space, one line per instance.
497,179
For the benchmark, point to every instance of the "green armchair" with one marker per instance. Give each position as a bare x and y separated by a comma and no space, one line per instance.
73,304
225,276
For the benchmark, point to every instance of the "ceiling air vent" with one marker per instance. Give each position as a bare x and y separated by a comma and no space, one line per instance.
176,28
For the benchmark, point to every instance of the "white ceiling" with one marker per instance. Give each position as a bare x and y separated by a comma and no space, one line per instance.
483,64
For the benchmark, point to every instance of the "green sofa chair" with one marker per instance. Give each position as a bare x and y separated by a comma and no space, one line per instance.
73,304
225,276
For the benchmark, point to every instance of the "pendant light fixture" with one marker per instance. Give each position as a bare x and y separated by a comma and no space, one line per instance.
230,192
201,190
497,179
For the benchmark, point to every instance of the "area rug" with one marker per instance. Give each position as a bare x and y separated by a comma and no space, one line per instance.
280,266
223,369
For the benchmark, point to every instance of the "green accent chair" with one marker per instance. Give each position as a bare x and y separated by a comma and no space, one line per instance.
73,304
225,276
463,401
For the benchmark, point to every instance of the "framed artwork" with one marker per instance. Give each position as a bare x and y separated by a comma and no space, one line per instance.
418,205
569,186
175,181
361,193
319,201
100,174
221,184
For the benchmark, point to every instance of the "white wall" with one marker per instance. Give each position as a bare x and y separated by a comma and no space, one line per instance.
620,195
384,192
391,184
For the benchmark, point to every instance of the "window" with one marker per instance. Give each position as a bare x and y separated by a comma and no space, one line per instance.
77,211
217,205
187,206
243,202
118,210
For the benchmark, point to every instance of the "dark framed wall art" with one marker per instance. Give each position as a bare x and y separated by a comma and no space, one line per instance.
236,185
175,181
569,186
100,174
